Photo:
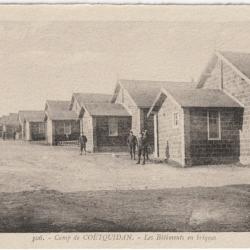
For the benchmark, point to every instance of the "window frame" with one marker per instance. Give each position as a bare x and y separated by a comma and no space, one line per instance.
69,126
208,126
117,126
41,128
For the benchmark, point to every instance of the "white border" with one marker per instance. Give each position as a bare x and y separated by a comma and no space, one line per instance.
131,2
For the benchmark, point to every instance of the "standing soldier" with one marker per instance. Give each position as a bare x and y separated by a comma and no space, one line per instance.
82,141
140,147
131,144
4,133
14,135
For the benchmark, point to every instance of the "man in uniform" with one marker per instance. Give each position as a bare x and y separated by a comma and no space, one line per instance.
82,141
140,147
131,144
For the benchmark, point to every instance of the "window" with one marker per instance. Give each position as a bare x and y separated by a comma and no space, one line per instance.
175,120
113,126
60,128
213,126
41,128
67,128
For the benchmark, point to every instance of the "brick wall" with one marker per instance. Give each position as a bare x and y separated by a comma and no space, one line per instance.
34,130
59,134
168,133
214,81
199,150
240,89
27,131
50,127
104,141
148,124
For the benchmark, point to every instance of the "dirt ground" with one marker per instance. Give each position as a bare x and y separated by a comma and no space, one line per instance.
44,188
25,166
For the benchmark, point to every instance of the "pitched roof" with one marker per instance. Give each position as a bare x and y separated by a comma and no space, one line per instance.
83,98
11,119
2,119
199,98
58,104
238,60
202,98
144,92
62,115
31,115
106,109
59,110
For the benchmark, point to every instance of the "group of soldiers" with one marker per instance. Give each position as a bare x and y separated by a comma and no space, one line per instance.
141,142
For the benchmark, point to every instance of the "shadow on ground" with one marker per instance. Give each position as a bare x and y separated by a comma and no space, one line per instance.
184,209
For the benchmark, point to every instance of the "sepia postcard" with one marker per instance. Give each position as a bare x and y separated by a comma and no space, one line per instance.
124,126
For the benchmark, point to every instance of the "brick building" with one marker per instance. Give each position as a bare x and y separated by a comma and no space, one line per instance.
32,124
106,126
196,126
10,126
137,96
230,72
78,101
62,124
2,118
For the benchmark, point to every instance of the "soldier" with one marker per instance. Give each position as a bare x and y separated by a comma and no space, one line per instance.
82,141
4,134
14,135
131,144
140,147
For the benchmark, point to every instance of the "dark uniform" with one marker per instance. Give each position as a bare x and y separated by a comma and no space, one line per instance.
4,135
132,145
141,147
14,135
83,140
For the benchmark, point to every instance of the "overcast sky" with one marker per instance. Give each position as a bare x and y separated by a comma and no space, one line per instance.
46,58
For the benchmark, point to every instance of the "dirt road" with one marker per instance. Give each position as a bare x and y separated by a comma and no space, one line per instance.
25,166
54,189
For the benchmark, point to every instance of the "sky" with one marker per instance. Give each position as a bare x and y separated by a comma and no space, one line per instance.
45,56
